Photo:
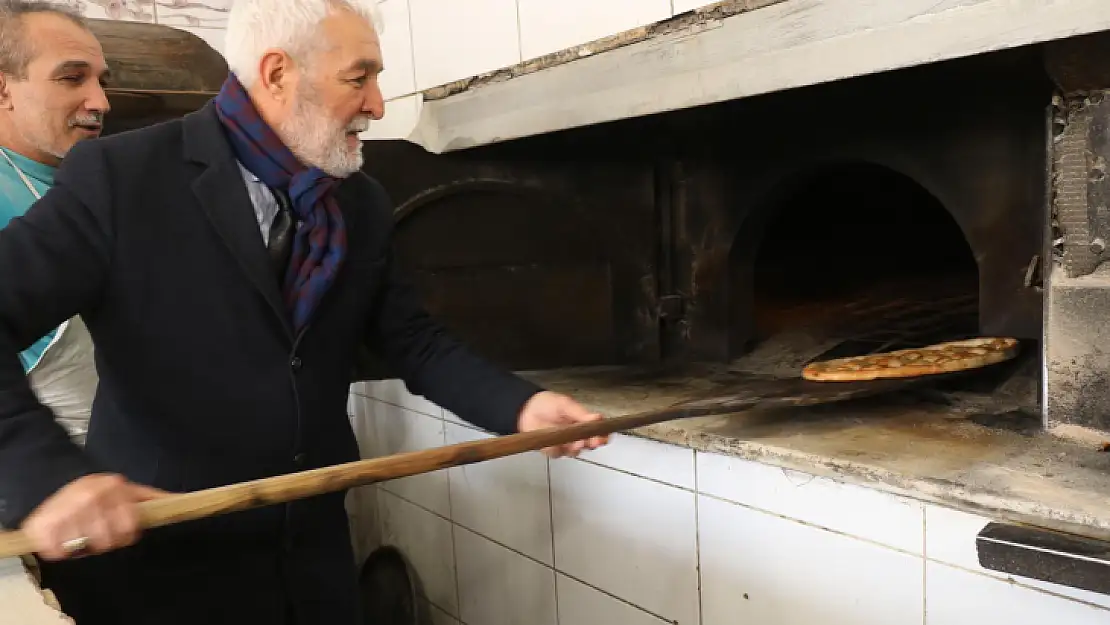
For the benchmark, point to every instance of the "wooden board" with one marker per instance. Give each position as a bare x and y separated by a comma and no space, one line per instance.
158,59
157,71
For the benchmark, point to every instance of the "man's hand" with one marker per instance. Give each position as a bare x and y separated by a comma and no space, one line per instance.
546,410
92,514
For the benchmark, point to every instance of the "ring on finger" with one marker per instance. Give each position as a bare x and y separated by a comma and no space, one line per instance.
76,544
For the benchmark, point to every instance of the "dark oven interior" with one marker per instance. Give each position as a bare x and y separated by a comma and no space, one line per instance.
872,213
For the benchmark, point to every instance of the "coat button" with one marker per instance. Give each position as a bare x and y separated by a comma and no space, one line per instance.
299,459
295,363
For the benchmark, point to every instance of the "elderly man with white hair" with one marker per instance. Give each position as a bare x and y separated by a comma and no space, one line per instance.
228,266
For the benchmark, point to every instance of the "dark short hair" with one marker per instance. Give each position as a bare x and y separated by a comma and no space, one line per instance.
15,51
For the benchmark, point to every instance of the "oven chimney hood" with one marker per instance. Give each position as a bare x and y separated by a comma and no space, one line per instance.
734,49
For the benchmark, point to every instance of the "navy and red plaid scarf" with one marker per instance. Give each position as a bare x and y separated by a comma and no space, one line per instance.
320,244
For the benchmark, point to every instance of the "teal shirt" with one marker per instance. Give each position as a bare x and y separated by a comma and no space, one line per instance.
15,199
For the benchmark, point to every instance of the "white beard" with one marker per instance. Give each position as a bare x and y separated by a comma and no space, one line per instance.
320,141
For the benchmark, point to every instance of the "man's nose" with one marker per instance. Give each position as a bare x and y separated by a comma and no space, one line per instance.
373,104
97,99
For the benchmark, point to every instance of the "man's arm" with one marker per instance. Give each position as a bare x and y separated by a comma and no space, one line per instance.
434,364
53,263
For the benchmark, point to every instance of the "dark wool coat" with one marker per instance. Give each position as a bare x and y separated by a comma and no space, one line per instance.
151,237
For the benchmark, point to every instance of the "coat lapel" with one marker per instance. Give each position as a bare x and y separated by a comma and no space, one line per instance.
223,196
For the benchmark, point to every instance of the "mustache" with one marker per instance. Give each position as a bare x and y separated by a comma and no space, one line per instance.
94,118
359,124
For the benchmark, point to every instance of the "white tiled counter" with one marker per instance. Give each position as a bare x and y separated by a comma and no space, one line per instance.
644,532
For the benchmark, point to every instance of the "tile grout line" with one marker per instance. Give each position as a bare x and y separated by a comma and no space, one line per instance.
551,519
924,566
458,584
697,525
412,44
519,34
454,543
397,405
440,608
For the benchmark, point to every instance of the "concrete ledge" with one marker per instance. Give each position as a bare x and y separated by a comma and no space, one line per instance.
1077,361
981,454
782,46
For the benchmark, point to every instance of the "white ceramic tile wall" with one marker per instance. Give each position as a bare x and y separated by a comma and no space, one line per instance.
203,13
498,586
950,539
682,6
396,43
506,499
362,502
853,510
401,117
580,604
761,568
362,416
435,616
633,538
670,464
957,597
365,521
395,392
634,551
452,40
452,417
128,10
547,27
398,430
426,540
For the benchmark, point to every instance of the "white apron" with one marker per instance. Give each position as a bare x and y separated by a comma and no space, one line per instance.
65,378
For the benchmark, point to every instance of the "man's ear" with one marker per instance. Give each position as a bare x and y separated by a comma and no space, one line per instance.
274,69
5,93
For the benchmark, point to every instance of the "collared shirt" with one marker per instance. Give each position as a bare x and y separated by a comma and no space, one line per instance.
265,206
15,199
59,366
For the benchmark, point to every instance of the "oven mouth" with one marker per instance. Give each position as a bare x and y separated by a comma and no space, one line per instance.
856,258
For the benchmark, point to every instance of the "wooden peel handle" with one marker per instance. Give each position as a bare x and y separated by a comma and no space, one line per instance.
178,508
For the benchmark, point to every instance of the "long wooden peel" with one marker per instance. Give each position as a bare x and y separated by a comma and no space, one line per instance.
183,507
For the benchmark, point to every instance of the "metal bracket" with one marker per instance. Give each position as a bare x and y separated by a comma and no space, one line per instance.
1048,556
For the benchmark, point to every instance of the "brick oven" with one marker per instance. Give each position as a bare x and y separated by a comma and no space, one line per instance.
636,253
872,213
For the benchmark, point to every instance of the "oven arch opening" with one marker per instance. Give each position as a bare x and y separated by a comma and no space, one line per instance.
851,251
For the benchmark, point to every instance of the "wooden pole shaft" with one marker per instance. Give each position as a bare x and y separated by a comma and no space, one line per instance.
210,502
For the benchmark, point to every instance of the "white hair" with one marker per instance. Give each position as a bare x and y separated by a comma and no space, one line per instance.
253,26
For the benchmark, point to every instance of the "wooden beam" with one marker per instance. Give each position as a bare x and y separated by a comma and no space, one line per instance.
150,58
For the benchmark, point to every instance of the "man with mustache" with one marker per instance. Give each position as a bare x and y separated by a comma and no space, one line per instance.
229,265
51,97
